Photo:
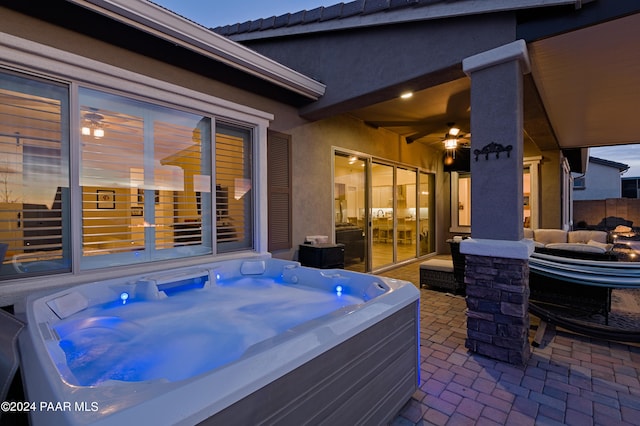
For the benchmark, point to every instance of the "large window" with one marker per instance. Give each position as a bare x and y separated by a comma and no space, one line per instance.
153,182
145,174
34,176
234,188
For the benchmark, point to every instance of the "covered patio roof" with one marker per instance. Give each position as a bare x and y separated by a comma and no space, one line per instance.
582,92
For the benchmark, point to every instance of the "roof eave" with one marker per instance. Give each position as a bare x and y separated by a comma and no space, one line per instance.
402,15
614,164
162,23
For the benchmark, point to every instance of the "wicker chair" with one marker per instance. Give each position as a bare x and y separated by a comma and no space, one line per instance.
458,265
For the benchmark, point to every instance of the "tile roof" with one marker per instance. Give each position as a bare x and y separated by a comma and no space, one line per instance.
322,14
620,166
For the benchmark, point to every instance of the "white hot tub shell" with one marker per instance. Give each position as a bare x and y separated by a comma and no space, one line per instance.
356,365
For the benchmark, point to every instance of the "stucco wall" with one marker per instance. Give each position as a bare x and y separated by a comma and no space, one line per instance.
369,64
312,170
601,182
42,32
312,141
551,190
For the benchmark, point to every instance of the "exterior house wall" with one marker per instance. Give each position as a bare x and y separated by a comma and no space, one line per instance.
601,182
551,190
371,67
51,35
313,145
549,186
115,68
312,141
374,64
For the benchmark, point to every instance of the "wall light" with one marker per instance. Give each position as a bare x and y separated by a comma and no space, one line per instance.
406,95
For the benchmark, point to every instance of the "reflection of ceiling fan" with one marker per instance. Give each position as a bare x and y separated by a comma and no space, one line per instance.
93,125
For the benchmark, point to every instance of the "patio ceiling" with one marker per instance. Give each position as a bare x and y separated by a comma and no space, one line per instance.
588,93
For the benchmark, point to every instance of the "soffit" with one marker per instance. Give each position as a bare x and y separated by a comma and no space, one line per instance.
583,91
589,83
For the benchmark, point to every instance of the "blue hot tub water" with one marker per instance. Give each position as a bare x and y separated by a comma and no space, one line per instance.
196,329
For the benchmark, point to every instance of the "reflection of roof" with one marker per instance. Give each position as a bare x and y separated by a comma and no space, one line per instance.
620,166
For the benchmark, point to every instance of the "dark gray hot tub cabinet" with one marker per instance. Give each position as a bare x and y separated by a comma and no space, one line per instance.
365,380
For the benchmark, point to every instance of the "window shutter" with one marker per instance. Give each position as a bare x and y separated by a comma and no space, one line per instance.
279,190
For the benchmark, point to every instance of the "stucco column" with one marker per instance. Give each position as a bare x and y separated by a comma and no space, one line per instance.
497,265
496,140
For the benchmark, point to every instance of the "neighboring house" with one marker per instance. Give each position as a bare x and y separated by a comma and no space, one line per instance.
135,139
601,181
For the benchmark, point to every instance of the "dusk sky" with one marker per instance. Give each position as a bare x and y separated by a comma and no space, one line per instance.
214,13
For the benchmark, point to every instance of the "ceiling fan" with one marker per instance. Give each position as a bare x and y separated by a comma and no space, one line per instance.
456,109
454,137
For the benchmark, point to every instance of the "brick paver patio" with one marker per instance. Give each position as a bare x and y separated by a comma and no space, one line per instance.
568,380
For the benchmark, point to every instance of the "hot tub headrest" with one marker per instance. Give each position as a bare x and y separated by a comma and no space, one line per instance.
253,267
68,304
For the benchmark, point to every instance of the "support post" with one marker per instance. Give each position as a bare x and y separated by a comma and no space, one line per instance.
497,266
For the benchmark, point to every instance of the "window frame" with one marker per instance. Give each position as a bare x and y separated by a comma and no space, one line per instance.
579,182
29,58
531,163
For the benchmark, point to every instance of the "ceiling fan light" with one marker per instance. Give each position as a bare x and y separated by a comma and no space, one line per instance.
454,131
448,160
450,143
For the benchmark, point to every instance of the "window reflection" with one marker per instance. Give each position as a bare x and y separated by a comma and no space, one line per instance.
34,177
145,178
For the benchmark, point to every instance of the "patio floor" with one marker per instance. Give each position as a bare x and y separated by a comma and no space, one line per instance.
569,380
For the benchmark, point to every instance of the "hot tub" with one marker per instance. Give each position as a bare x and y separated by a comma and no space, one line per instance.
233,342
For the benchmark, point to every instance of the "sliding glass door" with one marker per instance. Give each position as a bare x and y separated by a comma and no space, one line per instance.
425,214
350,213
405,222
383,213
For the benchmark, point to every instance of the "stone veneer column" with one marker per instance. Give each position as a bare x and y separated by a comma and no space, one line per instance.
497,288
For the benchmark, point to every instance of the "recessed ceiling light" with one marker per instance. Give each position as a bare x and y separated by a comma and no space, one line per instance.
406,95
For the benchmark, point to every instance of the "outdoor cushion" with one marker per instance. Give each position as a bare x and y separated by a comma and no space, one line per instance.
579,247
604,246
442,265
550,236
584,236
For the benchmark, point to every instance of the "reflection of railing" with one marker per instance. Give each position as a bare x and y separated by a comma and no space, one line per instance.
20,137
22,262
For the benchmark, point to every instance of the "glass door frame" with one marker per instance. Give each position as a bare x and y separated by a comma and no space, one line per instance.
369,160
335,196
